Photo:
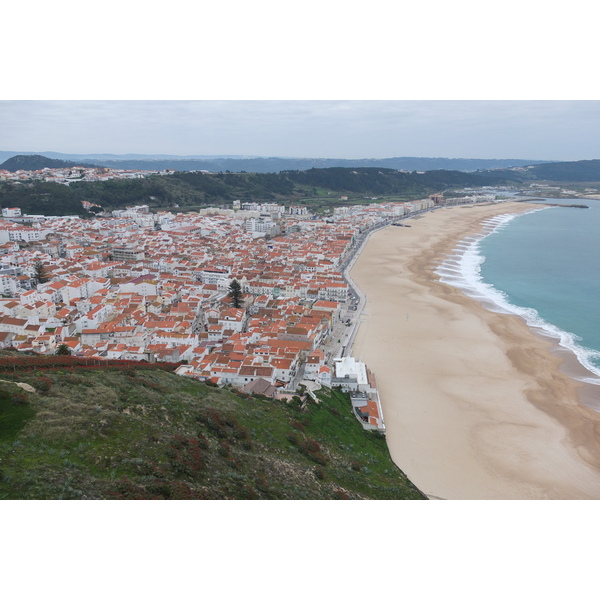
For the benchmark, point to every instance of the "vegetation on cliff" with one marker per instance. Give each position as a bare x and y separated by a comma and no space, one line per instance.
35,162
193,190
141,432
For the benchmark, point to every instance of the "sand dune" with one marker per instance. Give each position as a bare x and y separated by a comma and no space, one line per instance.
475,404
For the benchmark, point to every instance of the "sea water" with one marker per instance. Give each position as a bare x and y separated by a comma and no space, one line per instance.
543,266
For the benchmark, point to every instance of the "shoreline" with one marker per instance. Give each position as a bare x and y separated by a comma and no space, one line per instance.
476,404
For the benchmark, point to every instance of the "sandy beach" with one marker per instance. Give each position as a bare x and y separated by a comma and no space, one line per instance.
475,404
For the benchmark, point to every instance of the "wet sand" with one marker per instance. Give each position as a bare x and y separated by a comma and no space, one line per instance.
476,405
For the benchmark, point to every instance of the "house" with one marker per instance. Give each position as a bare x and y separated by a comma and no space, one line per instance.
324,376
260,386
11,325
314,361
351,375
6,339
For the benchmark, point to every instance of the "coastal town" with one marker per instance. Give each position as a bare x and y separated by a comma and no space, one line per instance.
156,286
69,175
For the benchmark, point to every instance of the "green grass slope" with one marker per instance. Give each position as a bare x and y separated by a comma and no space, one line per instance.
141,433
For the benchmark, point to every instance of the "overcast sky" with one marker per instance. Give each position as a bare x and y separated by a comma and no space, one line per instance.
527,129
434,79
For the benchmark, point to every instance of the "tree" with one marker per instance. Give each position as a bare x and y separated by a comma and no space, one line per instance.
235,293
39,271
63,350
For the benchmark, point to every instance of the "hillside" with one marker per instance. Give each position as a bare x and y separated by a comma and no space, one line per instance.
138,431
193,190
35,162
369,180
579,171
583,171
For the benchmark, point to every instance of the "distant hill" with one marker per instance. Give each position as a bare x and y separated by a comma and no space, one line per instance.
255,164
581,170
277,164
131,431
35,162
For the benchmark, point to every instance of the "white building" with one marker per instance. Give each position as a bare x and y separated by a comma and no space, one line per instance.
350,374
11,212
21,234
262,226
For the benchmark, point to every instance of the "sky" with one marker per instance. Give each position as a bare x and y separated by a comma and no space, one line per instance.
523,129
326,79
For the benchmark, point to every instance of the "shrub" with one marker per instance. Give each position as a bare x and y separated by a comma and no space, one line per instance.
202,442
224,449
340,494
214,421
19,398
262,485
241,433
312,449
43,384
232,462
245,492
185,455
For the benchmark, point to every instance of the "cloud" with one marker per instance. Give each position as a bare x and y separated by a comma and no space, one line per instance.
556,130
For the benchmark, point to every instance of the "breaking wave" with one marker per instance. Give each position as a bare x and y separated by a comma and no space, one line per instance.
462,270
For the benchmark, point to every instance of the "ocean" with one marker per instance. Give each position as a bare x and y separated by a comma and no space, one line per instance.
543,266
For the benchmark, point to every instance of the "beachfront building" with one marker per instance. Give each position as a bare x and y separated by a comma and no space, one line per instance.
354,377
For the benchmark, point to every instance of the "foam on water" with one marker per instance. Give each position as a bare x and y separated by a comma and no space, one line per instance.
462,269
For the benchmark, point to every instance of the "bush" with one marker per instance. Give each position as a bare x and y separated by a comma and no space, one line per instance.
241,433
202,442
312,449
262,485
224,449
340,494
185,455
43,384
214,420
18,398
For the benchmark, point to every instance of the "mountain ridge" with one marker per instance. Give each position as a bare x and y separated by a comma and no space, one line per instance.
274,164
35,162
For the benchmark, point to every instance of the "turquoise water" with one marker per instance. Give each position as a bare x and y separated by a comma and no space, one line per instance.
543,266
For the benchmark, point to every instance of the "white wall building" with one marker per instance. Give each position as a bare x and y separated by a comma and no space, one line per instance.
11,212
